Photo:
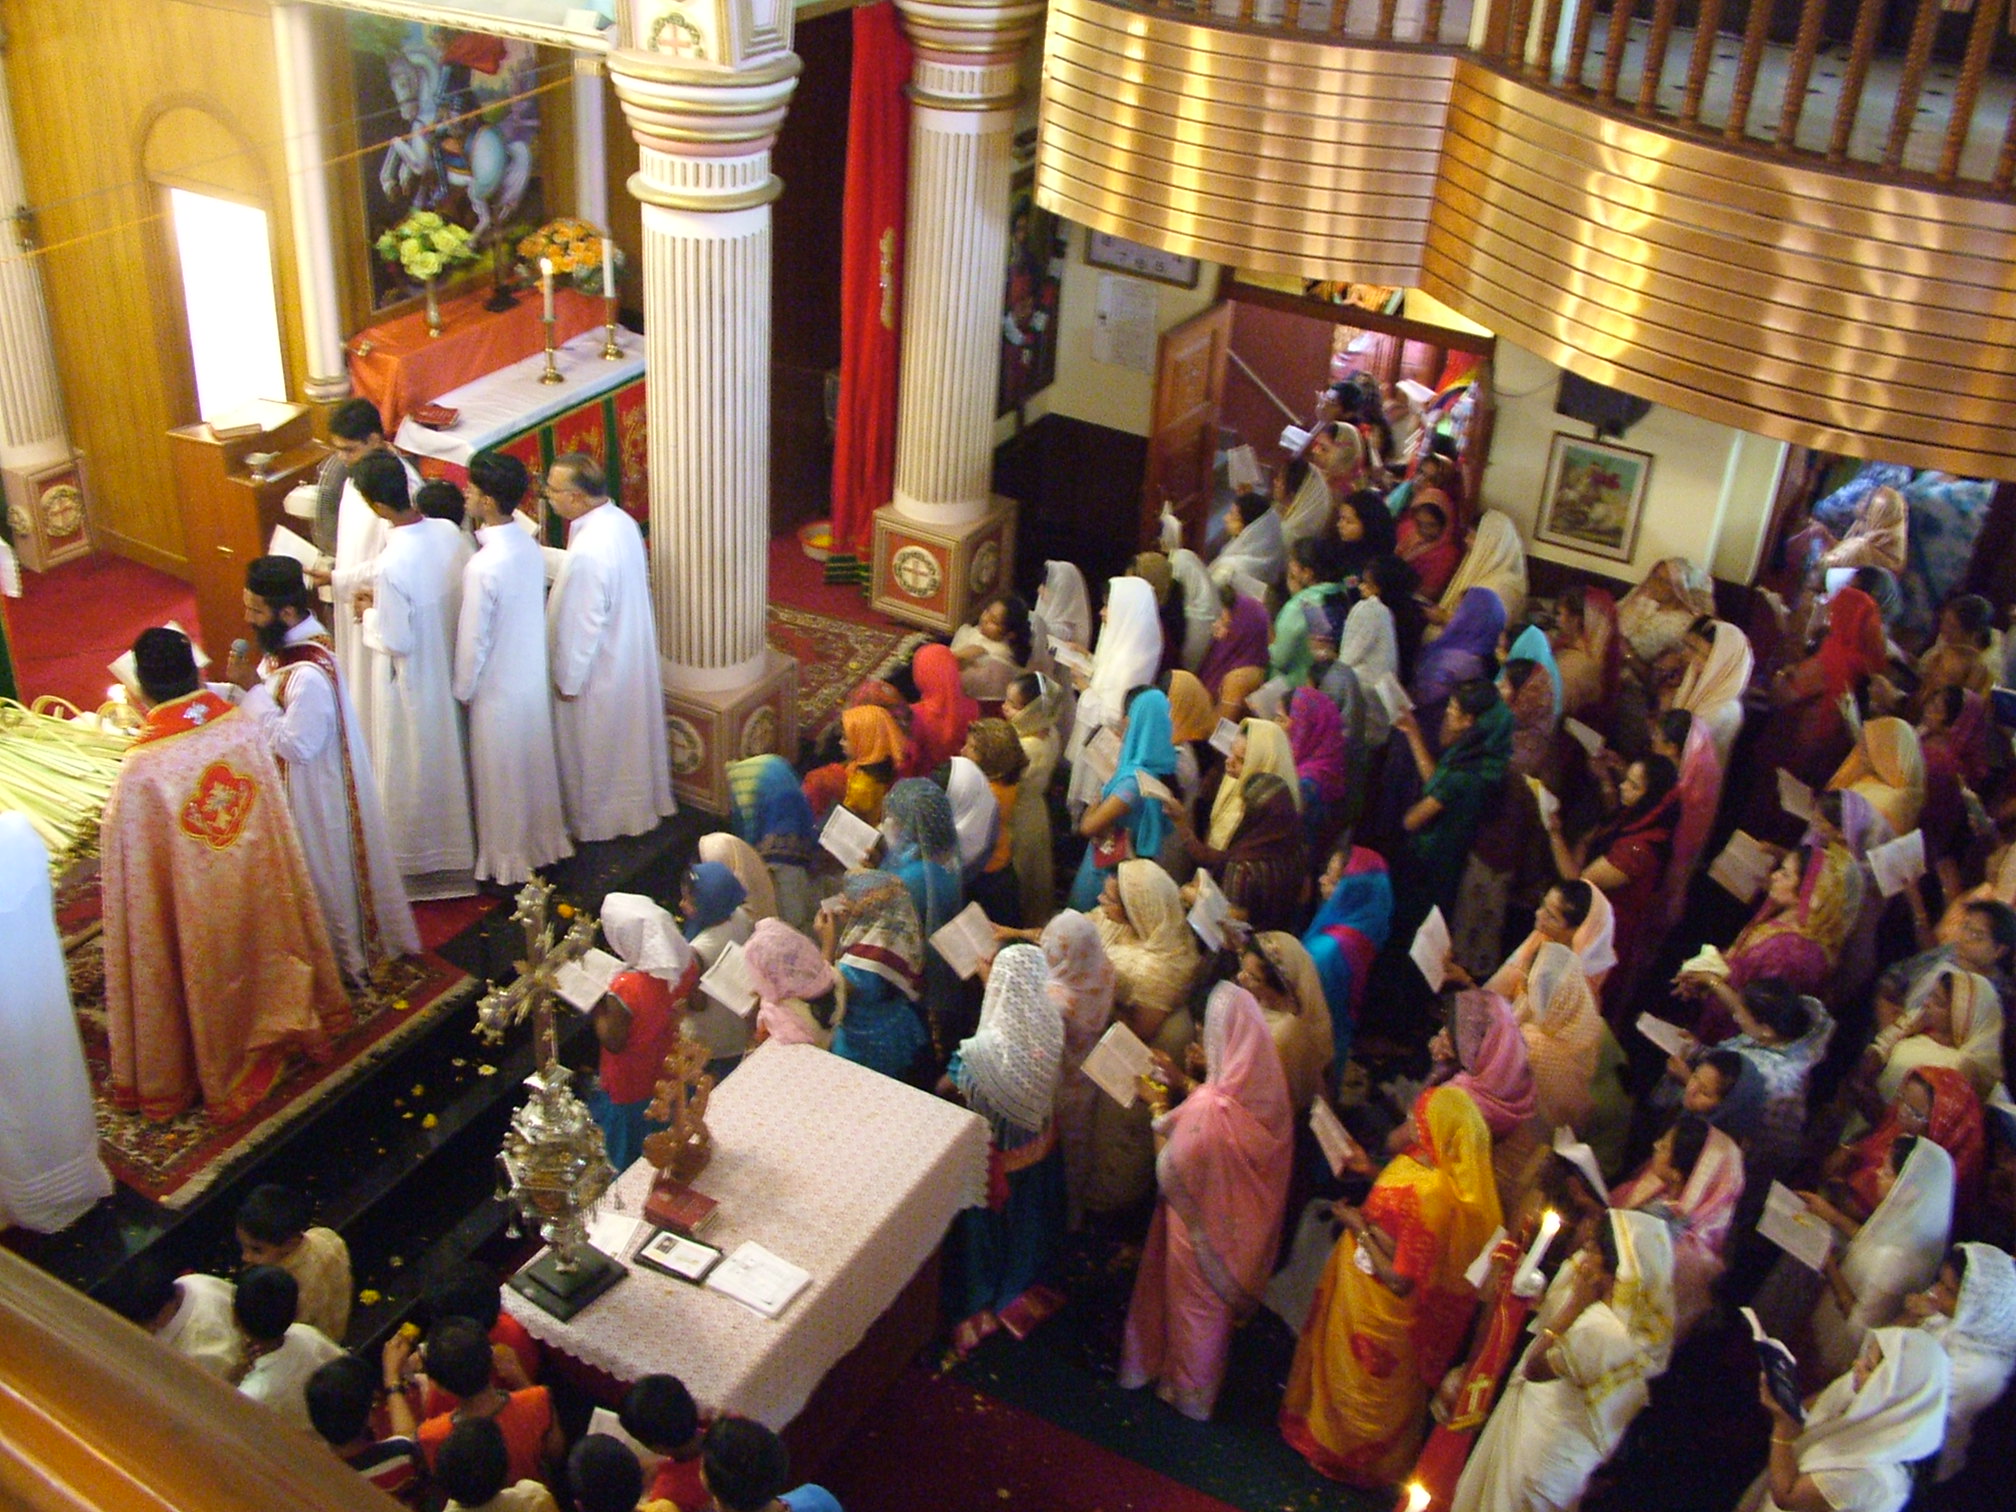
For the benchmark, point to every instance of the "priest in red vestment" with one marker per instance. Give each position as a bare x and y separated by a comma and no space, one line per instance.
218,967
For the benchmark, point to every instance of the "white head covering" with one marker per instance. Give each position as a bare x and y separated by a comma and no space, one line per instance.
1130,642
1063,604
1259,550
1200,604
1495,560
1897,1417
645,936
1980,1343
1899,1249
975,813
1008,1070
1643,1295
1595,938
1976,1051
1713,691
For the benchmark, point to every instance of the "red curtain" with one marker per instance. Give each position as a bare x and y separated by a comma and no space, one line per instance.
871,274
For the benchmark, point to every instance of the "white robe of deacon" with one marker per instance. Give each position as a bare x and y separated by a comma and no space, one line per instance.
360,536
615,770
416,726
500,673
50,1173
332,791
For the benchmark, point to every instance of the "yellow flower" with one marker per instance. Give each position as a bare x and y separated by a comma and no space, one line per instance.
369,1297
400,1005
566,910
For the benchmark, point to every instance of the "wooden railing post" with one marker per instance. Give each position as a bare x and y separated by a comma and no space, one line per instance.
1656,44
1705,33
1799,72
1924,27
1859,52
1756,31
1578,46
1613,49
1980,43
1550,33
1387,10
1431,20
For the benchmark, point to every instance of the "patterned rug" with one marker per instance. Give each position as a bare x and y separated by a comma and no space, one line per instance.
833,656
177,1161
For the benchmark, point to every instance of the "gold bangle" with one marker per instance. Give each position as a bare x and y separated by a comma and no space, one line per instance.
1788,1442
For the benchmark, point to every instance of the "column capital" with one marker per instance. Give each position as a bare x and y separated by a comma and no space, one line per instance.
704,134
967,50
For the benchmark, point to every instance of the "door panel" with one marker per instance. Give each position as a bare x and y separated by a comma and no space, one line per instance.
1183,438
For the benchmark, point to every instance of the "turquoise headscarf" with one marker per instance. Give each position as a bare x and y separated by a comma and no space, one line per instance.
1150,747
1532,645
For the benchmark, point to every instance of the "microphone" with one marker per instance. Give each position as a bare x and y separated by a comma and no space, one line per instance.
240,647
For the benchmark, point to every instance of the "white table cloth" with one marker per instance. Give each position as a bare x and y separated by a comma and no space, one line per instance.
512,400
836,1168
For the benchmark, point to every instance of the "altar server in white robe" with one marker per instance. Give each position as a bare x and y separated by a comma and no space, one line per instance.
50,1173
416,725
356,432
500,674
301,701
609,722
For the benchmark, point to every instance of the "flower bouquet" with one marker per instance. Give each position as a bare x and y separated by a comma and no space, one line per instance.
425,246
574,248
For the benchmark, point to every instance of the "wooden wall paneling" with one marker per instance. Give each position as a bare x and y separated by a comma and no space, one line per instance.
1290,353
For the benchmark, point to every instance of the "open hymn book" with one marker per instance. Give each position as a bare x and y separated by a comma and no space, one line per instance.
583,981
966,941
1117,1062
727,982
847,837
1332,1138
124,668
1788,1223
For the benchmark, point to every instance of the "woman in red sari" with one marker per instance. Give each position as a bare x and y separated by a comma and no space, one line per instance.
1936,1103
1626,857
1806,734
1429,540
939,718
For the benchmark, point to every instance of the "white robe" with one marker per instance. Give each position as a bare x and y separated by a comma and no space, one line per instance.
50,1173
500,673
416,727
609,723
311,726
360,536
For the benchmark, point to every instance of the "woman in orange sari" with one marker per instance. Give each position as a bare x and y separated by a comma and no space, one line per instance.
874,748
1393,1301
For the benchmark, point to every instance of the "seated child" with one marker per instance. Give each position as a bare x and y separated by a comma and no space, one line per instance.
745,1468
190,1314
283,1353
340,1397
273,1230
459,1358
472,1471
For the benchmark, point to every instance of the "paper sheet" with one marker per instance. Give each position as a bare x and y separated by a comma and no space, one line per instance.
1481,1266
688,1259
615,1233
1795,797
1899,863
1582,735
1332,1138
966,940
1270,698
1788,1223
1209,913
1117,1062
286,543
1293,438
1102,755
1386,688
583,981
763,1282
727,982
1743,867
1223,738
848,837
1669,1037
123,668
1070,658
1242,470
1547,803
1123,330
1430,950
1154,789
1420,393
1252,587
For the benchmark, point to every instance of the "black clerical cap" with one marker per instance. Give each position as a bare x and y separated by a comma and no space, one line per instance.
163,659
275,577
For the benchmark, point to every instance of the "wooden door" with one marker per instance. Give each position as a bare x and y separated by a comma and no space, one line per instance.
1183,434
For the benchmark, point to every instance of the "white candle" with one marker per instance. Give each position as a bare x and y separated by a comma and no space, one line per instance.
1550,1225
608,268
546,284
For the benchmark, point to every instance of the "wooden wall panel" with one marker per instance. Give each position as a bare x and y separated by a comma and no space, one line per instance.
102,94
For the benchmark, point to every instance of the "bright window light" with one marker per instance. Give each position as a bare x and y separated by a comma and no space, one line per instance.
227,288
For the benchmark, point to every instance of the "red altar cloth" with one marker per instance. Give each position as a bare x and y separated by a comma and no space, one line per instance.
399,367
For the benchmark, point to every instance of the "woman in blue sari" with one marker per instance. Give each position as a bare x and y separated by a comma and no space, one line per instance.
1123,824
1531,644
870,935
770,812
923,842
1349,930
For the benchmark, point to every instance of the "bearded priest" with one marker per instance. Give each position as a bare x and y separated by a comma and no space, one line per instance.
217,963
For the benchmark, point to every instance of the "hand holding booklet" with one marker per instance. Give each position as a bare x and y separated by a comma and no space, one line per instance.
1898,863
1668,1036
1582,735
848,837
1117,1063
727,982
1392,697
1332,1138
1795,797
1781,1371
966,941
1430,950
583,981
1743,867
1788,1223
1223,738
288,544
1209,913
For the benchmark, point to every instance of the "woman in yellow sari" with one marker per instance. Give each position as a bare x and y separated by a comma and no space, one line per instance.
1393,1303
1888,769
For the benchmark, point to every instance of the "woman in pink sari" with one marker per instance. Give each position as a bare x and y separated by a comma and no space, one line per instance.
1700,791
1081,985
1223,1173
1483,1052
1693,1180
1589,652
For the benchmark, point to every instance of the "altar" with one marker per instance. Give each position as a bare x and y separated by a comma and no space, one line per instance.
852,1175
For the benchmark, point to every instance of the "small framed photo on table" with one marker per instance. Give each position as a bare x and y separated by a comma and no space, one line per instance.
1594,497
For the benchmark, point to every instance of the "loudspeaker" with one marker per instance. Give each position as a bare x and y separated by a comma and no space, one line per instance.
1611,411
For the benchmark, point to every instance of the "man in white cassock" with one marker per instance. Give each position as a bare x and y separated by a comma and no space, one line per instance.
302,706
500,674
356,432
416,725
609,715
50,1173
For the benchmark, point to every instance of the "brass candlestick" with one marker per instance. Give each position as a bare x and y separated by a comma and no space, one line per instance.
611,352
552,373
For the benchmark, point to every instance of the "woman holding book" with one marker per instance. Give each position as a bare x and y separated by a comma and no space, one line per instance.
870,935
1693,1181
1894,1254
1812,900
770,812
1346,936
1127,820
1261,868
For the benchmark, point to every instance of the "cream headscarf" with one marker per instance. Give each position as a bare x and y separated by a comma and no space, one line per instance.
1495,560
1302,1038
1895,1418
759,891
1887,768
1267,750
1563,1030
1154,954
1713,691
1976,1051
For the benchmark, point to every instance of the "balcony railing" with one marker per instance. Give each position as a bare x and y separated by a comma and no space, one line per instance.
1922,90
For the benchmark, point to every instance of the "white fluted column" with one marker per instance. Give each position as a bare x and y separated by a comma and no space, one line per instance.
33,429
963,91
300,73
591,162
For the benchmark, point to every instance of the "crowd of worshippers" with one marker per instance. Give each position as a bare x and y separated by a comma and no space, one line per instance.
438,704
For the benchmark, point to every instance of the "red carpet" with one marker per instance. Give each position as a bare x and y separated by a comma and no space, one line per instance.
933,1444
797,580
69,623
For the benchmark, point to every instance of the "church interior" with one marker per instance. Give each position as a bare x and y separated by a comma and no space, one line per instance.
1190,439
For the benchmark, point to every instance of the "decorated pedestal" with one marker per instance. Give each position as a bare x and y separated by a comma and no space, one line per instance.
706,731
938,576
45,513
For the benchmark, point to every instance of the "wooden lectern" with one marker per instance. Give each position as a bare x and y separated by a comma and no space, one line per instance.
228,511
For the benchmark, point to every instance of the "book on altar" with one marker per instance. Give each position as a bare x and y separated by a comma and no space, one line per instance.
760,1281
1242,470
1898,863
1430,950
1117,1063
1788,1223
847,837
122,666
615,1233
1392,697
288,544
1743,867
966,940
1210,912
583,981
1668,1036
727,982
672,1205
1795,797
1781,1370
677,1256
1332,1138
1582,735
1224,737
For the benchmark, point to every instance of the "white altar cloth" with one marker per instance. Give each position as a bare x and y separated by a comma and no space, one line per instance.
512,400
836,1168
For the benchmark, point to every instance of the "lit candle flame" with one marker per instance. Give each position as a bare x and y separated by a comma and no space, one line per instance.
1417,1496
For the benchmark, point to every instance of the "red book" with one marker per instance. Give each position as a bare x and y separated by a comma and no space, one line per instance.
679,1208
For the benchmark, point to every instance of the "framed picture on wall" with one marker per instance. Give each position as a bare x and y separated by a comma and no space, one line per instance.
1123,256
1593,497
1036,251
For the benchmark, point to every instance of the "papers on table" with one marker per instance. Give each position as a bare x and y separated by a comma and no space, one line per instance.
1667,1036
1481,1266
1545,801
848,837
1386,688
1788,1223
678,1256
759,1280
1101,755
1332,1138
1430,950
123,668
1270,698
1070,658
615,1233
1242,470
1224,736
1795,797
1743,867
1582,735
1209,913
1252,587
1117,1062
966,941
1707,961
583,981
1899,863
286,543
727,982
